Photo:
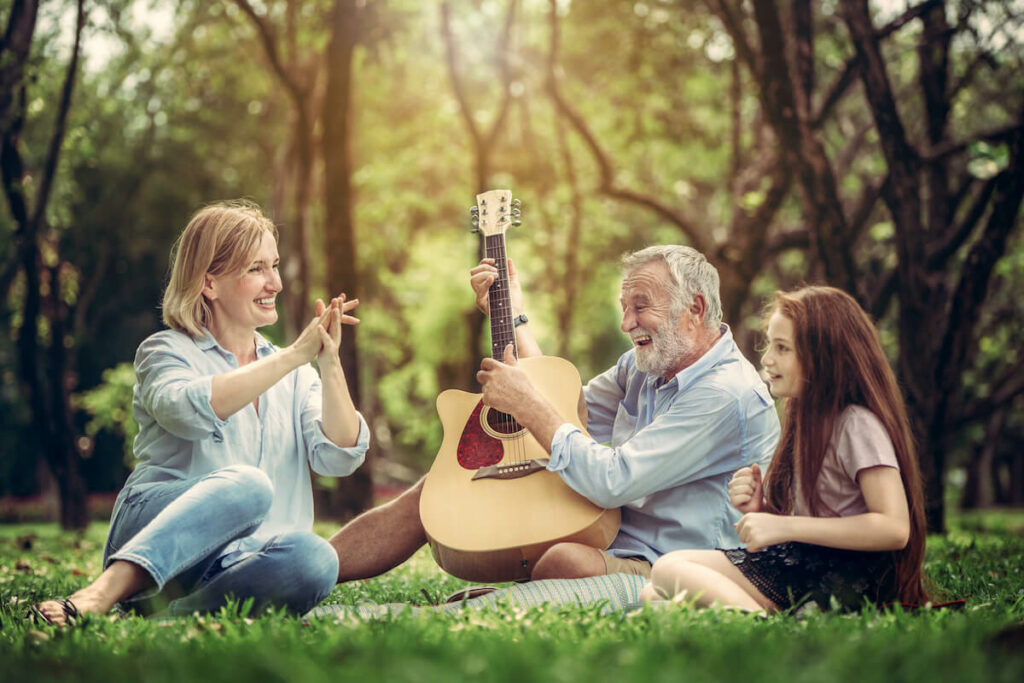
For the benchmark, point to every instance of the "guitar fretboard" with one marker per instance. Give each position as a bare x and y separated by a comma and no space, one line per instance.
503,331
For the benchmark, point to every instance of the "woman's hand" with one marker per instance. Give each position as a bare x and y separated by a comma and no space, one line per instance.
758,530
323,333
330,331
484,275
745,490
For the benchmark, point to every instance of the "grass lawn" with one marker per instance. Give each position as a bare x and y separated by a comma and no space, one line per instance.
981,560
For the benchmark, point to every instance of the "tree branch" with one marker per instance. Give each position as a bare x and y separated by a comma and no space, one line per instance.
59,125
977,269
266,33
1010,387
941,151
850,70
674,216
799,238
14,51
959,234
734,27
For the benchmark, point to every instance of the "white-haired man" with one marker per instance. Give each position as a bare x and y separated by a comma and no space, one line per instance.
669,423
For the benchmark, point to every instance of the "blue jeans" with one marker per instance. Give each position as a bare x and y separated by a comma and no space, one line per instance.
177,532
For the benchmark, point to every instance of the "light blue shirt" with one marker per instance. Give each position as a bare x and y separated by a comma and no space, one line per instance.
673,449
180,437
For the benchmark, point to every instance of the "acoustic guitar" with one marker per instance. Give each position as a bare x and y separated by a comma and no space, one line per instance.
489,507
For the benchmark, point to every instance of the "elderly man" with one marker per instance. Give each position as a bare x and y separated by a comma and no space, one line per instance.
670,423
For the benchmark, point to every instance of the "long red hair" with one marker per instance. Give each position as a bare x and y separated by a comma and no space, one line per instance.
843,364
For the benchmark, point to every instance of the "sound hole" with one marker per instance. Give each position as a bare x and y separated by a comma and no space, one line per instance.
502,423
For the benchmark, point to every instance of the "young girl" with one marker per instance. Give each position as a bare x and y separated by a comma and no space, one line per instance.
839,514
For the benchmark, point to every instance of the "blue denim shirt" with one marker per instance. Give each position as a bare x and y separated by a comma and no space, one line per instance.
180,437
673,446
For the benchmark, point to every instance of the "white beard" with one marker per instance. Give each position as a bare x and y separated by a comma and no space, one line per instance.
667,350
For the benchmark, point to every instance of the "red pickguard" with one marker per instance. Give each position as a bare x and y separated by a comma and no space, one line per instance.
476,447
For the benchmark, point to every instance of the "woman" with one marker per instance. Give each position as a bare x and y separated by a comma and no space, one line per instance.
220,502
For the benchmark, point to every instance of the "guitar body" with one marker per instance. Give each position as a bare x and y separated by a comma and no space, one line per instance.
495,526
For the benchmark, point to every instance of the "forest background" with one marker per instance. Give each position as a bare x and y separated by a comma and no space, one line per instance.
875,146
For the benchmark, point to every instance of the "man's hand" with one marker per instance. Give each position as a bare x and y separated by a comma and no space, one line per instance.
505,387
759,530
483,276
508,389
745,490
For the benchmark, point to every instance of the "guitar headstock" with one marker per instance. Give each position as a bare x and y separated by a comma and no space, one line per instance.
495,212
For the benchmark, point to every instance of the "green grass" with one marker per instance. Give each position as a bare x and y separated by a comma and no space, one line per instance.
981,559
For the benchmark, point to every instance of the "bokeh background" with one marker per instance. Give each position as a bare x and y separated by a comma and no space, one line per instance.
875,146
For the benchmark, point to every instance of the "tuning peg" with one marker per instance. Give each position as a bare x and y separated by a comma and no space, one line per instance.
516,221
474,210
516,204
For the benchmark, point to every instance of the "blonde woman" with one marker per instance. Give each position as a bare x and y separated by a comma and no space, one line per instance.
220,503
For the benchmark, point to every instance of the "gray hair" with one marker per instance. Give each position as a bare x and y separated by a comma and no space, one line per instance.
691,273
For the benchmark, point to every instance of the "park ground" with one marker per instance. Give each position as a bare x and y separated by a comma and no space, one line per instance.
981,559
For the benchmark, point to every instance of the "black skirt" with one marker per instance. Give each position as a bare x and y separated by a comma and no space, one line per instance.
791,574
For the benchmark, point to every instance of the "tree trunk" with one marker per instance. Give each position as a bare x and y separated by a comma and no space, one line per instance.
355,492
45,385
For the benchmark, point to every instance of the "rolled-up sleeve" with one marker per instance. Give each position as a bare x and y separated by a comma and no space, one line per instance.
172,392
696,438
324,456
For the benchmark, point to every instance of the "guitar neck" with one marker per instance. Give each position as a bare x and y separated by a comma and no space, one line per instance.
503,331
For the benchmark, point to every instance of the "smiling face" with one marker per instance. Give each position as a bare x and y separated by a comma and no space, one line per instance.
244,302
663,344
785,376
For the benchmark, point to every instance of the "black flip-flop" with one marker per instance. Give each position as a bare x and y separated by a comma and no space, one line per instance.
36,616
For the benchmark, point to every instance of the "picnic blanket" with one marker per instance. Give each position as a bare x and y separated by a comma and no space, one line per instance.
614,592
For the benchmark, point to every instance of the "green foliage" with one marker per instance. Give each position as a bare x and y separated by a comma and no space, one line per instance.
110,407
511,644
164,121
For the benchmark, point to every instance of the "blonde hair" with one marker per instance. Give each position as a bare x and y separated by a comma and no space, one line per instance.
220,238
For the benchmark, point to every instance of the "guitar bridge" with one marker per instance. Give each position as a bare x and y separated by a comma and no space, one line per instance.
521,469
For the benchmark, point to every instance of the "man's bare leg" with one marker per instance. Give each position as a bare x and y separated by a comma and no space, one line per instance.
380,539
569,561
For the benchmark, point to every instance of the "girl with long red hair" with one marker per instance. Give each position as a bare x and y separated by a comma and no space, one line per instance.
838,518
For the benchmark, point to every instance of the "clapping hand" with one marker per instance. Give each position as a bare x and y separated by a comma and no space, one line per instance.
331,317
321,338
746,492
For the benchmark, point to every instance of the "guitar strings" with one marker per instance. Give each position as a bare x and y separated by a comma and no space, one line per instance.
502,329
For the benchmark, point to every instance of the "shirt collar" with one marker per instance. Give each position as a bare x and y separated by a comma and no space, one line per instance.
205,343
719,351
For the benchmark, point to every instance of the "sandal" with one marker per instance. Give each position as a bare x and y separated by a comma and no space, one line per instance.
36,616
470,592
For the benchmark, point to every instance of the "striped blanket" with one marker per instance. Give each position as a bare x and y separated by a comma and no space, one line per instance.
614,592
